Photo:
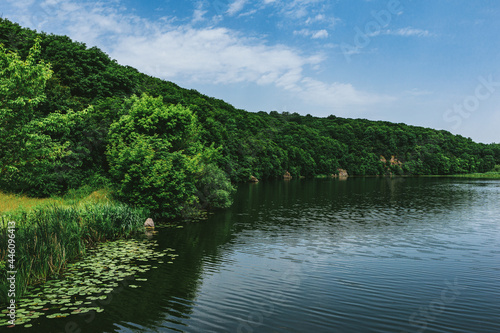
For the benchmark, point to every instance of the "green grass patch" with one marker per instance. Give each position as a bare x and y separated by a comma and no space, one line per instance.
486,175
11,202
493,174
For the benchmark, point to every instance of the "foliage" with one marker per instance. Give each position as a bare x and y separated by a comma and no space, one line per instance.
22,85
214,188
85,121
155,157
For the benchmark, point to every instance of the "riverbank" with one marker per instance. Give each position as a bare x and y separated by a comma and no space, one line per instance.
485,175
50,233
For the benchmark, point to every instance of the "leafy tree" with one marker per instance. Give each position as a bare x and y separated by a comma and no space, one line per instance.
83,154
22,88
157,160
152,155
214,189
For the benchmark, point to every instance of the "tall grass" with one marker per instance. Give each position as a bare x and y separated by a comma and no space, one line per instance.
47,238
9,202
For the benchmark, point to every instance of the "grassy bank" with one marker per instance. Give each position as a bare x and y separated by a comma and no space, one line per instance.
10,202
52,232
493,174
486,175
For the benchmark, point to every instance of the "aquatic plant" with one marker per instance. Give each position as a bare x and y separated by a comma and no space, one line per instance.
87,284
48,238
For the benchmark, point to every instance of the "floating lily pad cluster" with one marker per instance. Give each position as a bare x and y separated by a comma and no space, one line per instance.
89,281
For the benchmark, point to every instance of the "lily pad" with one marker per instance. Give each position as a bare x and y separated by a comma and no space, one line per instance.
89,281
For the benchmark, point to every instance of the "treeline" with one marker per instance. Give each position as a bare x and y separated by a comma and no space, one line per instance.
174,150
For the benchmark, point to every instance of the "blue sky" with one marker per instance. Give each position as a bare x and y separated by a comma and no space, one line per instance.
426,63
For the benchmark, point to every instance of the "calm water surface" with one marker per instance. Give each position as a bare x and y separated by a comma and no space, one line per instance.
362,255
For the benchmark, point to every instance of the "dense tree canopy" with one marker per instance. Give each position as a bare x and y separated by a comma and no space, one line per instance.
85,118
23,148
157,160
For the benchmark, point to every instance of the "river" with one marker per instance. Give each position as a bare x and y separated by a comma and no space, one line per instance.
325,255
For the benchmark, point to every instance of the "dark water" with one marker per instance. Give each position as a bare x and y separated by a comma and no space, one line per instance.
362,255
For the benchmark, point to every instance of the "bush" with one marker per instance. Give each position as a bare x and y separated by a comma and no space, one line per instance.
214,188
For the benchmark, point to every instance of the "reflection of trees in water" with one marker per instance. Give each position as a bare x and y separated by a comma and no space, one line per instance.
355,192
167,297
336,209
173,287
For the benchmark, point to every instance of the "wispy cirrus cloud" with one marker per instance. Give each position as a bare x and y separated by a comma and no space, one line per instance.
404,32
199,13
301,8
236,6
314,34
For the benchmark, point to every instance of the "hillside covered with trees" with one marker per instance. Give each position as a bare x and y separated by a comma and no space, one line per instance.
71,116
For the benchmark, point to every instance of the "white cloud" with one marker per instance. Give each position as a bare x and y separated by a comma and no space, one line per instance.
217,55
299,9
337,95
320,34
198,13
236,7
410,32
322,18
311,33
404,32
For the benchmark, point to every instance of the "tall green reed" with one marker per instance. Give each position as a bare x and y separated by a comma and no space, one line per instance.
48,238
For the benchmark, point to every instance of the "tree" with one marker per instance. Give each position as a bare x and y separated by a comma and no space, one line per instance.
214,189
22,88
157,160
82,141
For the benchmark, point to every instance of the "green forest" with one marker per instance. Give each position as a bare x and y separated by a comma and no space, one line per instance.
70,116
